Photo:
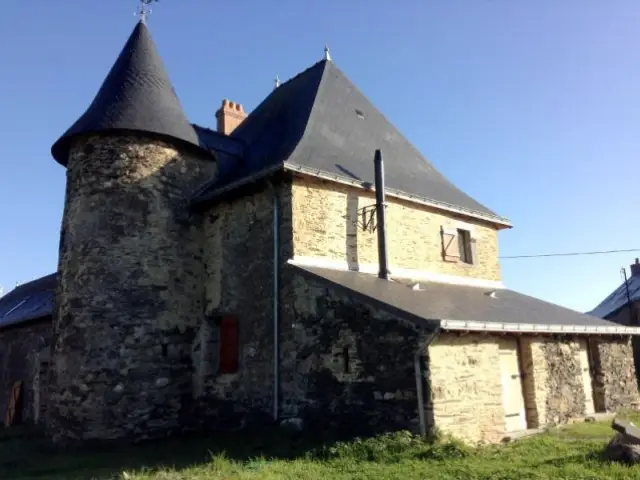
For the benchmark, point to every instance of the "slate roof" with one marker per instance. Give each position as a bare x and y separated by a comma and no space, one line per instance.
463,307
618,298
136,95
27,302
321,122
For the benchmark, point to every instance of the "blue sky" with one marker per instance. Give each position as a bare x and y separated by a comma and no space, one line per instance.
531,107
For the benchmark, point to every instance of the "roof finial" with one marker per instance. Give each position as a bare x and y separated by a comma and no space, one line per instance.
327,55
276,82
144,9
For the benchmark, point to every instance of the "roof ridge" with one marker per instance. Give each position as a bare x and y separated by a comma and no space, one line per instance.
314,104
299,74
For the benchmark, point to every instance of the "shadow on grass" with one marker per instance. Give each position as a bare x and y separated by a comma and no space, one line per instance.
26,454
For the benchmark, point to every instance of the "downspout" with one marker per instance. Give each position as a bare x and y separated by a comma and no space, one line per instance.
418,369
276,306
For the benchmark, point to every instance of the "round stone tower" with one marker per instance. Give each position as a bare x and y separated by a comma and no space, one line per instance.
130,289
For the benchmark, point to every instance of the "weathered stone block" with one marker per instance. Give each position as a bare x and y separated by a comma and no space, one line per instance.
615,384
466,386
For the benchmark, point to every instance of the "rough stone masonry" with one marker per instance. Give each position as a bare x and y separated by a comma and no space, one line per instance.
130,290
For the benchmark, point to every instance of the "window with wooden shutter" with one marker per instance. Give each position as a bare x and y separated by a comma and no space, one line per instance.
229,344
466,246
450,249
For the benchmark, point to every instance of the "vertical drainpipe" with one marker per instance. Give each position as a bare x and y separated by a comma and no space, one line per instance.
276,309
417,367
380,214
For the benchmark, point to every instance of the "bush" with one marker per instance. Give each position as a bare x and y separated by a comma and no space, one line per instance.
393,447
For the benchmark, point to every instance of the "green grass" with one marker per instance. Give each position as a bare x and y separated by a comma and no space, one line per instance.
571,452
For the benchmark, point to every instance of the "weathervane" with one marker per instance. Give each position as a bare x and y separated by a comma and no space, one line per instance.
144,9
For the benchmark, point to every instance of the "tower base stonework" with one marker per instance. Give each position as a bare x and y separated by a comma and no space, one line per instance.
130,291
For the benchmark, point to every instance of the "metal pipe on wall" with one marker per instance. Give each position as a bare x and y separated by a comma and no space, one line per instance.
378,164
276,306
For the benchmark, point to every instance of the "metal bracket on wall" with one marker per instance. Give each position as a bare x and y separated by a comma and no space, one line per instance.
367,216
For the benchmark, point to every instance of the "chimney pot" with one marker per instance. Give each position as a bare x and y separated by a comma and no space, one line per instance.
635,268
229,116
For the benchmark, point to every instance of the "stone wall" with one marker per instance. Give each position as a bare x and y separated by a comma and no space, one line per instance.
615,385
465,379
466,386
563,391
327,222
345,366
21,349
552,377
535,379
239,257
130,293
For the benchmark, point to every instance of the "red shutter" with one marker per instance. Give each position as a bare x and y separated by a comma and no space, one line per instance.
229,344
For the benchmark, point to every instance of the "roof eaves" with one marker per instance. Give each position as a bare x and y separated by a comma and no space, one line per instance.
398,194
471,325
24,322
202,197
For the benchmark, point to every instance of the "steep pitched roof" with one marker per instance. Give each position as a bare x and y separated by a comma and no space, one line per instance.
30,301
320,122
458,307
137,95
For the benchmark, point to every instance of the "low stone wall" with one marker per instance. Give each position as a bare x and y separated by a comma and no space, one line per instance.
344,365
615,385
21,349
466,386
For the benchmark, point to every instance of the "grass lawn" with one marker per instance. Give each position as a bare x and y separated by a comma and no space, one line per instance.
571,452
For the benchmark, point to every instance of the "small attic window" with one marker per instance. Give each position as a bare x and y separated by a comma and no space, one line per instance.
360,113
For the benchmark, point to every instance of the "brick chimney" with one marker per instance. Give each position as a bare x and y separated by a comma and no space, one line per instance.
229,116
635,268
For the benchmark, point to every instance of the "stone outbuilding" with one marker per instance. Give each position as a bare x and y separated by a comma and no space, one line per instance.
25,347
271,269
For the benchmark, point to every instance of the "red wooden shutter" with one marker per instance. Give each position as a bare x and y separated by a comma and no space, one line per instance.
13,415
229,344
450,248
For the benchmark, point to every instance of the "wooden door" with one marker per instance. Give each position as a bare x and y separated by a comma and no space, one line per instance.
586,376
512,399
13,415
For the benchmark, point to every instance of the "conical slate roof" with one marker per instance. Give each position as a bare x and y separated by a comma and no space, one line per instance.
137,95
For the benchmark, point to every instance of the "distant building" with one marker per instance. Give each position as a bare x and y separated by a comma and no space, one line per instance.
621,306
215,279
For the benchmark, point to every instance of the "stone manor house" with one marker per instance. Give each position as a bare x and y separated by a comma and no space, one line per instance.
252,274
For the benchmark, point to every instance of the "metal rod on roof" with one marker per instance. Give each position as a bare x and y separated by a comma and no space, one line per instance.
632,321
380,214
